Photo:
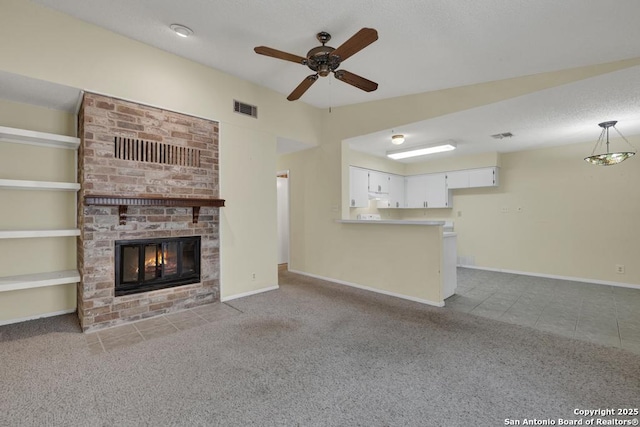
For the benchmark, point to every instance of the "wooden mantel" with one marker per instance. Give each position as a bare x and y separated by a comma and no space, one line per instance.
124,202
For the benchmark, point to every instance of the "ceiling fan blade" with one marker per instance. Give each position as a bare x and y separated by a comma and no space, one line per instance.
356,80
356,43
302,87
274,53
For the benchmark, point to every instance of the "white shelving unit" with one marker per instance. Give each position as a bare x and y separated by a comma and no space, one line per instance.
29,281
28,137
21,136
19,184
30,234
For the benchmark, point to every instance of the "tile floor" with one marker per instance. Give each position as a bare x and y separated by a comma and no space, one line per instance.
608,315
132,333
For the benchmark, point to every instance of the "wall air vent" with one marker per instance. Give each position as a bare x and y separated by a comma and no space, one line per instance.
155,152
246,109
502,135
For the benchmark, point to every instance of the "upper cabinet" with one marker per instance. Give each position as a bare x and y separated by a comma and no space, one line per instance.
427,191
359,187
395,198
396,191
438,195
424,191
378,183
458,179
484,177
473,178
416,191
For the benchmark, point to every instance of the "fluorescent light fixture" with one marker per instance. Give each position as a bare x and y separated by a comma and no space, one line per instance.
181,30
422,150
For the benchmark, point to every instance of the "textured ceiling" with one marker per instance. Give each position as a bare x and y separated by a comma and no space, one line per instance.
558,116
422,46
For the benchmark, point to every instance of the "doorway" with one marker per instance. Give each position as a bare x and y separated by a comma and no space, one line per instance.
283,219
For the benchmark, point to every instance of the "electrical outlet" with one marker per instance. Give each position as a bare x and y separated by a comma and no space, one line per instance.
253,276
619,268
459,214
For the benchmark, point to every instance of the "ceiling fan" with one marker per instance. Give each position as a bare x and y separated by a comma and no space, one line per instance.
325,59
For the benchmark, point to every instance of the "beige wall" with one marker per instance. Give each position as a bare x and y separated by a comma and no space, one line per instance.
563,216
576,219
40,43
319,195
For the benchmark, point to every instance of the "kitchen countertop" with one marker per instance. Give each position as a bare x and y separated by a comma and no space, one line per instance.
388,221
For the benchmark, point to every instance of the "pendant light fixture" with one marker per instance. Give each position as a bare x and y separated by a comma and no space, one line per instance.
609,158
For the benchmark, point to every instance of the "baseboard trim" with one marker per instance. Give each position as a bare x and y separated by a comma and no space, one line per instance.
554,276
36,316
370,289
247,294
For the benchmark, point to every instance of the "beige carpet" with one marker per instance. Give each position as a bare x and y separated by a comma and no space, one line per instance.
311,354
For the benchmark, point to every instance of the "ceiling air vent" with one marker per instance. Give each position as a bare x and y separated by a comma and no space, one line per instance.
502,135
246,109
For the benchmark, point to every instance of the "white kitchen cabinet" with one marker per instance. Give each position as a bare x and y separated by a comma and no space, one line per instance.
473,178
395,198
437,192
427,191
458,179
396,191
416,191
483,177
358,187
378,183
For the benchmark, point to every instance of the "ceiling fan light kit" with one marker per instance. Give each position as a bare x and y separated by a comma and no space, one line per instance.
325,60
421,150
609,158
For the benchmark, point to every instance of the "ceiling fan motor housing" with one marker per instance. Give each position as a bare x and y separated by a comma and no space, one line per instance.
320,60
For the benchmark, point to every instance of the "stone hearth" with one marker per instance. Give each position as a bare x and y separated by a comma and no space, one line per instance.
130,150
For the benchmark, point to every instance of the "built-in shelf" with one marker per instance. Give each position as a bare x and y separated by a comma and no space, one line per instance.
22,136
39,280
27,234
19,184
124,202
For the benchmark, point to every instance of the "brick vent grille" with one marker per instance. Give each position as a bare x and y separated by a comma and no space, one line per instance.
155,152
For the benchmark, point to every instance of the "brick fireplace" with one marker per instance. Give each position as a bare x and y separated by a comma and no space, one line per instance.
145,173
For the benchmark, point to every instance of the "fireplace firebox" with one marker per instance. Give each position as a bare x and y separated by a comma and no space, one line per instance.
152,264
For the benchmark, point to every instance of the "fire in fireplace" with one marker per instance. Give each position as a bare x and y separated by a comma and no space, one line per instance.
151,264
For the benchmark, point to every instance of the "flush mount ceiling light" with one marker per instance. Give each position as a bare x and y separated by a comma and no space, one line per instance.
397,139
609,158
421,150
181,30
